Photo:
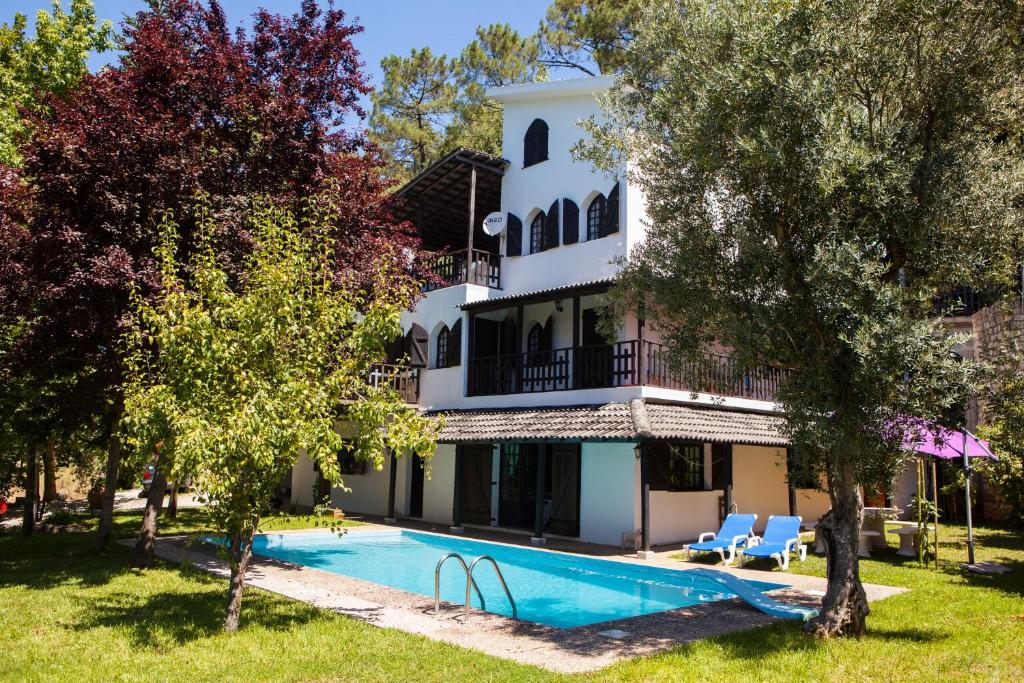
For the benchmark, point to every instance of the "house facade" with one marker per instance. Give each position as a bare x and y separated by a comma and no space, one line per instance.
550,428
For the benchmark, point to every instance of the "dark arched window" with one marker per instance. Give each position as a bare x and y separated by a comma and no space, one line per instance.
455,344
535,144
535,339
537,233
442,348
595,214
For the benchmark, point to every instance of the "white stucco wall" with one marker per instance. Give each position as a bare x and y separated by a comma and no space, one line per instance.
678,516
609,488
439,488
759,482
303,479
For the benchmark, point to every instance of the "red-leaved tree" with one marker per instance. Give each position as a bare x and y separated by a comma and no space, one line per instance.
192,108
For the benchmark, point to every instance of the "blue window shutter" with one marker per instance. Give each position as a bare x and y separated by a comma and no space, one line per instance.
551,227
611,213
514,243
571,222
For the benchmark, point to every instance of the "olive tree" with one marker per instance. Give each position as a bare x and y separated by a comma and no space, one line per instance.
233,375
815,172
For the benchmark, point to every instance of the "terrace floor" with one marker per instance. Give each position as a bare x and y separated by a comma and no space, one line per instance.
580,649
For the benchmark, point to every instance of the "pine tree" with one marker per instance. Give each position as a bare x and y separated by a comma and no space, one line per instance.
588,35
411,109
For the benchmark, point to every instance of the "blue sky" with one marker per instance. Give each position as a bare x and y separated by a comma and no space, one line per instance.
391,26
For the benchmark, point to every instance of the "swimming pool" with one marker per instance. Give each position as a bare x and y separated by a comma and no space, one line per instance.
549,588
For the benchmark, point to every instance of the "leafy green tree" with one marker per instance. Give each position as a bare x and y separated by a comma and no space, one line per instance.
588,35
411,108
499,56
430,105
815,172
235,381
1004,417
51,62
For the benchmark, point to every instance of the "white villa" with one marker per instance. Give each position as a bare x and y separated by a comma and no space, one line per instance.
550,429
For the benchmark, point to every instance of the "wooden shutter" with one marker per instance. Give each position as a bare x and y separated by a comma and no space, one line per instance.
571,222
546,336
416,346
455,344
610,224
551,227
514,242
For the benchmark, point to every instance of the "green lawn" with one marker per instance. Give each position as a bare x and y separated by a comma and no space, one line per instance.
71,614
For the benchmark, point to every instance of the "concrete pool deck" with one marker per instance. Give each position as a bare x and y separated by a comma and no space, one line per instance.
571,650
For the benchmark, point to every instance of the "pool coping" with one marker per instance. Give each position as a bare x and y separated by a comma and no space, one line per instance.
577,649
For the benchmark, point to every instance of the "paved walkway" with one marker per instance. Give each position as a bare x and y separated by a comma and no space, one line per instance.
580,649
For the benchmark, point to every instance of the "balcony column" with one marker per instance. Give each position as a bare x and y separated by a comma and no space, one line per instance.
392,478
644,552
518,364
472,215
538,510
575,341
456,527
640,325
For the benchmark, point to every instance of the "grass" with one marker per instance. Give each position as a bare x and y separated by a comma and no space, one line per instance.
72,614
194,521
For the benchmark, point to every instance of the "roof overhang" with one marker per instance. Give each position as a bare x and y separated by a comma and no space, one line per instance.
539,296
437,200
590,85
612,422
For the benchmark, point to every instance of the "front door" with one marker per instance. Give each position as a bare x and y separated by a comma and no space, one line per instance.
476,483
517,487
416,490
594,359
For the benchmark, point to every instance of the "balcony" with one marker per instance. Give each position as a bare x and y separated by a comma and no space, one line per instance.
626,363
402,378
466,266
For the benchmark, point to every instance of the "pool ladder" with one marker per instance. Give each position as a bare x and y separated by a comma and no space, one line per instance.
470,583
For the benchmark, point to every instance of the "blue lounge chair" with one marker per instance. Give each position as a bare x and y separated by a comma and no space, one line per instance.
781,537
735,531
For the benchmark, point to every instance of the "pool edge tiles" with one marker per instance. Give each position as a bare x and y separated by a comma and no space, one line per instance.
553,588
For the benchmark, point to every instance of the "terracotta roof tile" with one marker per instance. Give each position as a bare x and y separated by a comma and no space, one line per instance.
609,422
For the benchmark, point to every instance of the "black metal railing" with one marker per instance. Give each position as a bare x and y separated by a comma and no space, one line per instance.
465,266
402,378
617,365
712,373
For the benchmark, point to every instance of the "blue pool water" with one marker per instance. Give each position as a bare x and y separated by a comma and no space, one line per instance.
549,588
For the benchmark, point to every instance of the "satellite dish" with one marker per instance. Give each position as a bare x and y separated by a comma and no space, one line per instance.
494,223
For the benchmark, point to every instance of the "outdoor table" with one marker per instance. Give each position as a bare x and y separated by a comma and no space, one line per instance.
909,539
874,520
868,538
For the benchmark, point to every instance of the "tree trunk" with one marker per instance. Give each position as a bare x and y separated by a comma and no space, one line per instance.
28,518
845,604
145,547
110,482
241,553
172,503
50,471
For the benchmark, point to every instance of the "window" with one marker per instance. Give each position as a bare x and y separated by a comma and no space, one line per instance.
535,144
595,214
676,466
455,344
442,348
537,233
347,462
535,339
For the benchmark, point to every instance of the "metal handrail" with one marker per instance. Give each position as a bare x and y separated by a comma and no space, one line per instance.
469,578
497,570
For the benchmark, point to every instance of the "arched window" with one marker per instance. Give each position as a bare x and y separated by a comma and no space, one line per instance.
535,339
535,144
595,215
442,348
537,233
455,344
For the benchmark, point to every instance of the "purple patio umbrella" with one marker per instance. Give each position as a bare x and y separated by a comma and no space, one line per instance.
949,444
